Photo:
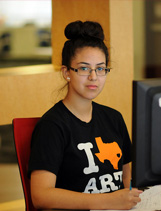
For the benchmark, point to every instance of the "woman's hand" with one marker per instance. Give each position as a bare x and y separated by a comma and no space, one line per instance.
125,198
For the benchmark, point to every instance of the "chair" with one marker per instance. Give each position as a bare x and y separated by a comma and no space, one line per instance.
22,129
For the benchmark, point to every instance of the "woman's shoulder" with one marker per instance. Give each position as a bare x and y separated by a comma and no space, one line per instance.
107,113
105,109
55,113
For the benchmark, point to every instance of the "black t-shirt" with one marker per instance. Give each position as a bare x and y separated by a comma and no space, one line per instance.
85,157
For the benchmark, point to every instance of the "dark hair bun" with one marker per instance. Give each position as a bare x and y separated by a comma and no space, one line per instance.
86,29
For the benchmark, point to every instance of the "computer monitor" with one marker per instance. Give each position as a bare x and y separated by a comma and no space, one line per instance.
146,133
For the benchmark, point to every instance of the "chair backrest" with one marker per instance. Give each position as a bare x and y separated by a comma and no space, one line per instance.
23,128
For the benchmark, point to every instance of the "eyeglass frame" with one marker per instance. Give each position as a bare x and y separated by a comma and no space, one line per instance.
107,70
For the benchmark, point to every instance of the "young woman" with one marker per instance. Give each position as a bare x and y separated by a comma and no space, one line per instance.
80,150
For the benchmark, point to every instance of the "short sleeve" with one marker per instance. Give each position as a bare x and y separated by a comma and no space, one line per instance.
47,147
126,142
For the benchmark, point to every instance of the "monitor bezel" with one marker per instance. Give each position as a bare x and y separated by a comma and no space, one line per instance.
143,92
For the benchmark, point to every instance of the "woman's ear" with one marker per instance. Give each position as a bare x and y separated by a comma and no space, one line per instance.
66,73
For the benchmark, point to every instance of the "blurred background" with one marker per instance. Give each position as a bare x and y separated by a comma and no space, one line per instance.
25,32
25,39
147,38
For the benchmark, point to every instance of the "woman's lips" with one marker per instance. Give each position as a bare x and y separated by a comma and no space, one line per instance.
92,87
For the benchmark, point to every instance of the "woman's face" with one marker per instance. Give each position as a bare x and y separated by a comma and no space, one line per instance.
87,87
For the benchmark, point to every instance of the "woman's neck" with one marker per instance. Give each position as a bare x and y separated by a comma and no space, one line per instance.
82,109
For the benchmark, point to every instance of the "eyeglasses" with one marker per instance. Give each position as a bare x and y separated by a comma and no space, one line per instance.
86,71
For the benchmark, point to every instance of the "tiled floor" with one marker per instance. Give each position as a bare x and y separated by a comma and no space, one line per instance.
11,193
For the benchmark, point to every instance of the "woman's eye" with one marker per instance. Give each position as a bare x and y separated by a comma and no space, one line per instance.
84,68
100,68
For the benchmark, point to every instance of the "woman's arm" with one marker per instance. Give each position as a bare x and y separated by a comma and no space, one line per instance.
126,177
46,196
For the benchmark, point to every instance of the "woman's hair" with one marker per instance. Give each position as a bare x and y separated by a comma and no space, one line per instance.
82,34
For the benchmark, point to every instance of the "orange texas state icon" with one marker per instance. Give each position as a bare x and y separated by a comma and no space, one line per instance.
108,151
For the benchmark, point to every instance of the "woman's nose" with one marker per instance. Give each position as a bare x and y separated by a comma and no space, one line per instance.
93,75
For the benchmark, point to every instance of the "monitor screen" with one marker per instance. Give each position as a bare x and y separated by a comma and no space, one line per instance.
146,133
